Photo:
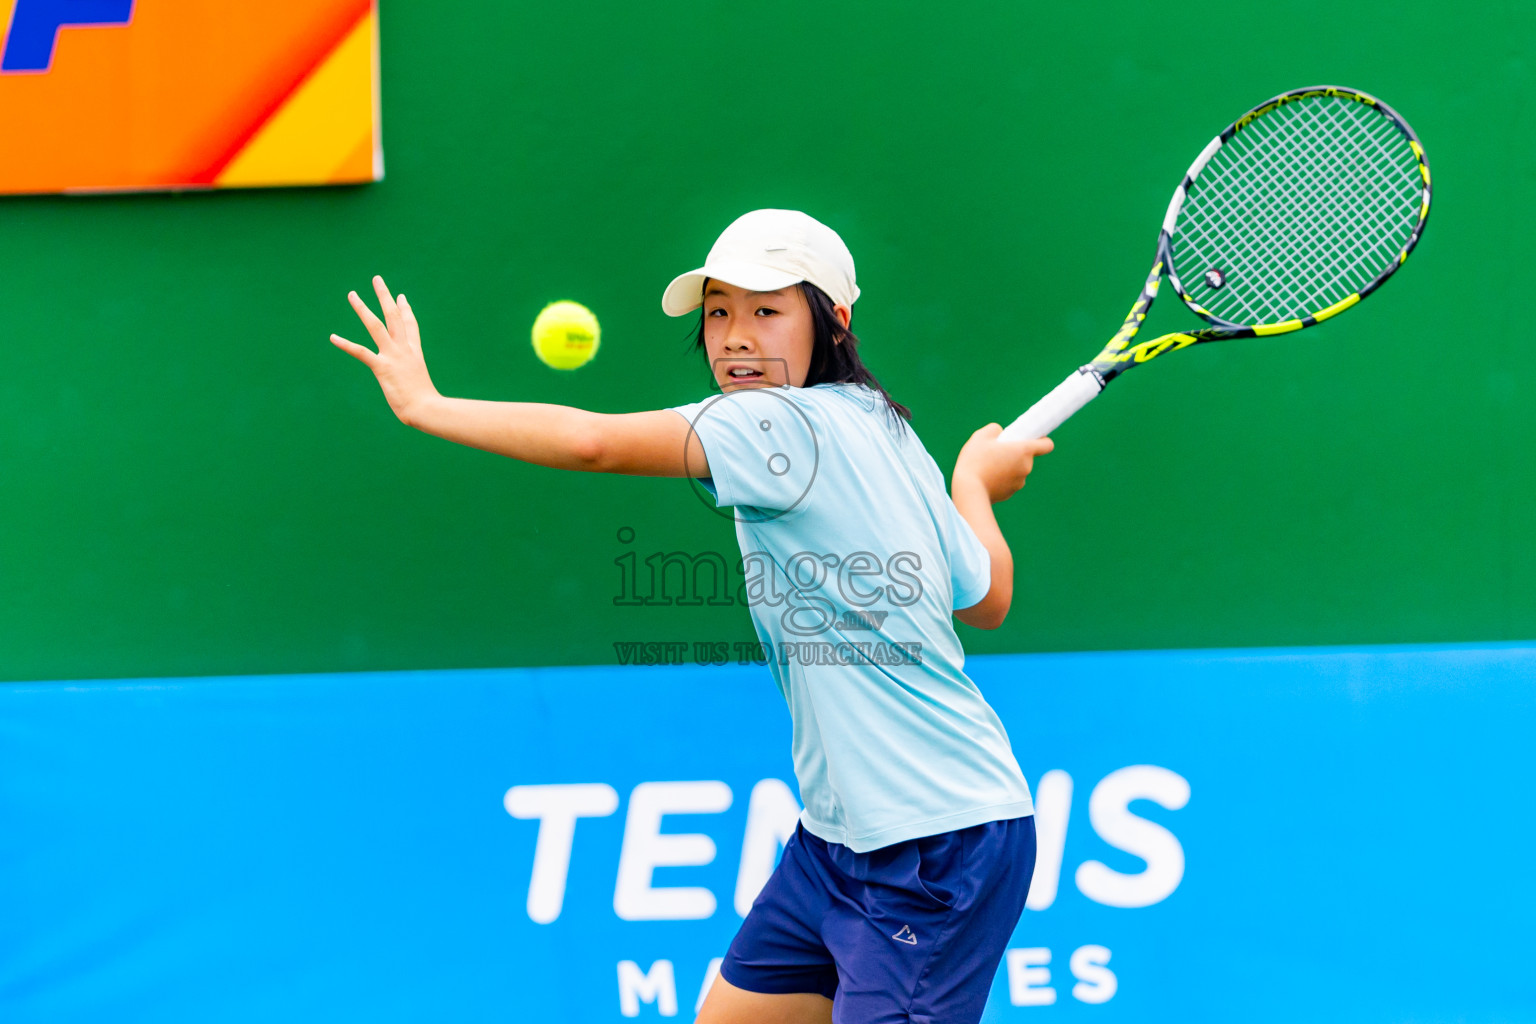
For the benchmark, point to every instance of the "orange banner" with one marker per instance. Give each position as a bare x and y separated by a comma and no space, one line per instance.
150,94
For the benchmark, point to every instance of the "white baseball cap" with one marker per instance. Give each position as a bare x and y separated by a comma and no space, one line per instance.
766,250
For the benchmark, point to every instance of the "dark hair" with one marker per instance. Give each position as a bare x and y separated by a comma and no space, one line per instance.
834,350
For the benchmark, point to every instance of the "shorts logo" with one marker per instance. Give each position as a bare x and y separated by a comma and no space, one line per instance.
906,935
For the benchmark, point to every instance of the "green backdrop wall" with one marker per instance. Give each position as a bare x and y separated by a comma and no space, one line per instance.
194,482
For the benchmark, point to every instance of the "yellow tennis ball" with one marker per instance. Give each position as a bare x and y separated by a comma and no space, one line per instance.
566,335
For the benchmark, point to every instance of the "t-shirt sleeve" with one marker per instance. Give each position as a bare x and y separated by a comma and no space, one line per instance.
970,566
761,445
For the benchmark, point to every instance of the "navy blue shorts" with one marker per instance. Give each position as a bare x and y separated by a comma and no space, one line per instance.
909,932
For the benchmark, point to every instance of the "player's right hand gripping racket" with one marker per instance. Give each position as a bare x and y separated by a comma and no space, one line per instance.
1295,212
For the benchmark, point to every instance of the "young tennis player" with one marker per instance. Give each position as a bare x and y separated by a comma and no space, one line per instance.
896,896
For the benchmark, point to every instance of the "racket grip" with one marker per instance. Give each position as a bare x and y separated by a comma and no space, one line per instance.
1080,387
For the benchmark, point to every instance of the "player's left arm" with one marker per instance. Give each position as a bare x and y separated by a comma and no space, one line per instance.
988,471
655,443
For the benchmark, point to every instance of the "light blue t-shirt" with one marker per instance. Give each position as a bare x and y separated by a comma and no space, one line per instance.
855,557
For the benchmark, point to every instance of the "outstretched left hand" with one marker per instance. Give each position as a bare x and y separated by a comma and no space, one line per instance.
398,364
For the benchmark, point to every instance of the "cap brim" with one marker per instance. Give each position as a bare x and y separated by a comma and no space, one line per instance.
686,292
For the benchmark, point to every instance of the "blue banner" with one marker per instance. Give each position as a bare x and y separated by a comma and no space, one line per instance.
1257,835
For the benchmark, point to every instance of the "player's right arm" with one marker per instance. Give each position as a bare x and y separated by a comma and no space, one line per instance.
987,471
658,443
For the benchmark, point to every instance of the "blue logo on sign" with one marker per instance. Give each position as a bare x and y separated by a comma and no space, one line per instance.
35,26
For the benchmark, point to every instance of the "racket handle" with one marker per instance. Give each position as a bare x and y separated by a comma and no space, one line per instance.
1054,409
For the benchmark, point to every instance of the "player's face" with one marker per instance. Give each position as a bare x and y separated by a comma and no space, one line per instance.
757,339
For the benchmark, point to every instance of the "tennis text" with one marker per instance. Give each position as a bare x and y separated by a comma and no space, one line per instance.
772,814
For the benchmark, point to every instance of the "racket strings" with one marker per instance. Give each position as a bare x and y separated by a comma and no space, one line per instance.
1345,214
1298,210
1292,209
1303,279
1367,224
1340,215
1340,221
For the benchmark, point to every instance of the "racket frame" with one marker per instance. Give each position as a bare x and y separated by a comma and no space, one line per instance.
1120,355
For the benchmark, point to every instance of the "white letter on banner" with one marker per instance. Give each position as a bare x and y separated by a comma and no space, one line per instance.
1029,980
1053,809
710,974
1096,983
557,808
657,986
646,848
772,815
1111,817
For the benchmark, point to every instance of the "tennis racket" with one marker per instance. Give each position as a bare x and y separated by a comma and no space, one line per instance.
1294,213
